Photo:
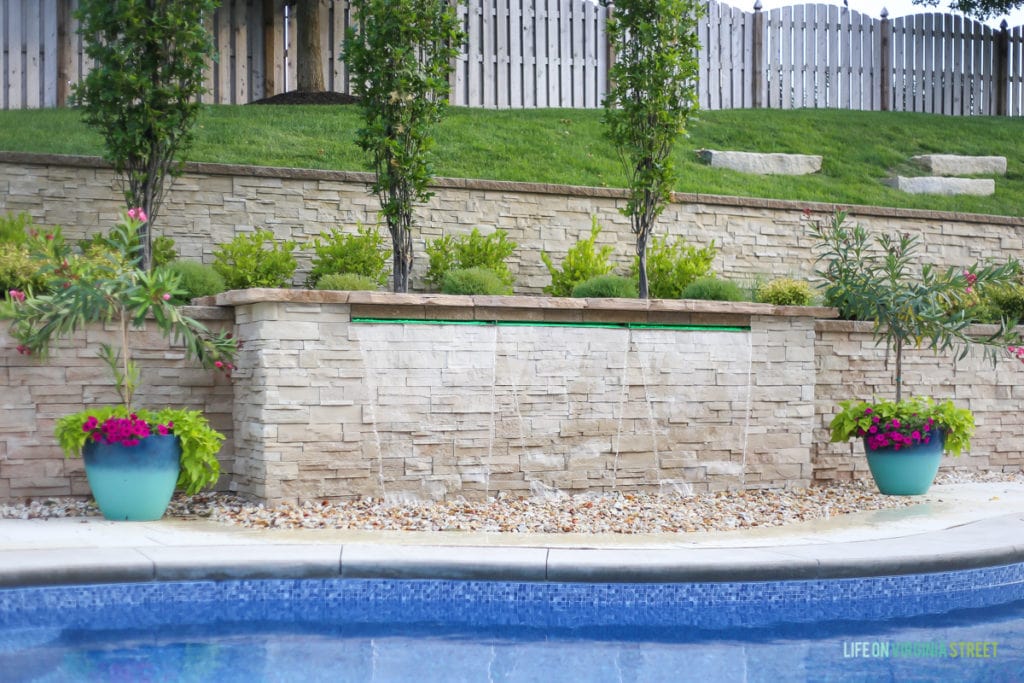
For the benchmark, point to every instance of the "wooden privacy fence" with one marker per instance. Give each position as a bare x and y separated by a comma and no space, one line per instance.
554,53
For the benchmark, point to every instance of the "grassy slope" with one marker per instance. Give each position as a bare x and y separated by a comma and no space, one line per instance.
567,146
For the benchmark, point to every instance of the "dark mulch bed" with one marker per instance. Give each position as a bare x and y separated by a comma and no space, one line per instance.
300,97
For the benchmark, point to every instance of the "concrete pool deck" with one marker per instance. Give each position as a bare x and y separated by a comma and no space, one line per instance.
954,526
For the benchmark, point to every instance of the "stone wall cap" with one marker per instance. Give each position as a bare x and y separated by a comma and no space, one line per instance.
512,303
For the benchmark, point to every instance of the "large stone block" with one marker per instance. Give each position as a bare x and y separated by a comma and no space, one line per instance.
980,187
957,165
762,164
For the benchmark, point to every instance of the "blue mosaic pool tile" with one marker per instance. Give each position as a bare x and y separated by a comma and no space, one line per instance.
492,603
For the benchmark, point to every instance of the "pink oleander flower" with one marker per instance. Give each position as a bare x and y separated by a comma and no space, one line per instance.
17,295
166,297
137,214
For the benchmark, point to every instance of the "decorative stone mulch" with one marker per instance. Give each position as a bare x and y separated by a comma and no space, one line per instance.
621,513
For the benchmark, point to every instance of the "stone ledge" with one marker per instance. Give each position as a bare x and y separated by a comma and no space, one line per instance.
455,307
762,164
956,165
980,187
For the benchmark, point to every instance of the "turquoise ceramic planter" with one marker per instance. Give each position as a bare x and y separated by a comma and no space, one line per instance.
908,471
133,483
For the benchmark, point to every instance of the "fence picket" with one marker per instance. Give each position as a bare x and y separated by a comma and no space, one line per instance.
553,53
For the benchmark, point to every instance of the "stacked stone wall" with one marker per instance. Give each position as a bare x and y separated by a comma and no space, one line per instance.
212,203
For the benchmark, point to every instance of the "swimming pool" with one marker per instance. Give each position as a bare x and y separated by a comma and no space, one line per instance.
916,625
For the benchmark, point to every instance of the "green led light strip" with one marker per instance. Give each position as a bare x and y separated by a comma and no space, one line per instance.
534,323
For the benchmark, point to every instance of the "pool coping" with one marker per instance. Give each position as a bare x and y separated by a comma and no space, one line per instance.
976,544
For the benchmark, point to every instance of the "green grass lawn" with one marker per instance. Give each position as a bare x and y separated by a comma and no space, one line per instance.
567,146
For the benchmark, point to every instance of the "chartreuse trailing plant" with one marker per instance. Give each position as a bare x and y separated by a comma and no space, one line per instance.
115,291
475,250
888,424
400,54
582,262
142,93
652,93
785,291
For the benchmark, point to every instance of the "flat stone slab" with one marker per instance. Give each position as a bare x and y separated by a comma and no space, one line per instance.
981,187
956,165
762,164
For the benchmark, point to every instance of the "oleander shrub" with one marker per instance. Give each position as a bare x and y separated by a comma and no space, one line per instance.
785,291
582,262
606,286
348,282
713,289
255,260
672,265
474,281
475,250
363,253
195,279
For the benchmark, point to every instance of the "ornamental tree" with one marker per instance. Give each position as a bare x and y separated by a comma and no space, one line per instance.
653,92
143,92
400,56
978,9
911,305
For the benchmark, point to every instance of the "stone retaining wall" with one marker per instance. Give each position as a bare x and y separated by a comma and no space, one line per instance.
34,394
212,203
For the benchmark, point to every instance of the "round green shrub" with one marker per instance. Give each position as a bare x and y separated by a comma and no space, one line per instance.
713,289
785,291
256,260
195,280
474,281
1004,302
362,253
606,287
348,282
18,270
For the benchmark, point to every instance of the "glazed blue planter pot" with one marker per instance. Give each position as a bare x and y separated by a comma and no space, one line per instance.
133,483
909,471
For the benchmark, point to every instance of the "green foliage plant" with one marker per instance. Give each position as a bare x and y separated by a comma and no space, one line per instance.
363,253
142,93
476,280
582,262
606,286
116,291
474,250
14,228
713,289
256,260
348,282
195,279
18,272
671,266
163,250
400,54
1004,303
911,305
652,93
785,291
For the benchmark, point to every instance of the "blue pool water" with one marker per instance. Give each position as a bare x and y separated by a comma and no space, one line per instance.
964,626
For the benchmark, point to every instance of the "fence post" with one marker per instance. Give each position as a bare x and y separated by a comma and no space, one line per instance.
65,39
610,49
269,55
885,66
1002,69
757,57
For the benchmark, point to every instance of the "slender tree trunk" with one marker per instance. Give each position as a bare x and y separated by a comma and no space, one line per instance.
641,252
309,69
899,370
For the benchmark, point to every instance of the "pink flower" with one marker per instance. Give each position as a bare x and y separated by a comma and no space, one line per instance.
137,214
17,295
218,365
162,430
166,297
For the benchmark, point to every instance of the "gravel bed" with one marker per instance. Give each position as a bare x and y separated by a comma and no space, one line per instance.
621,513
